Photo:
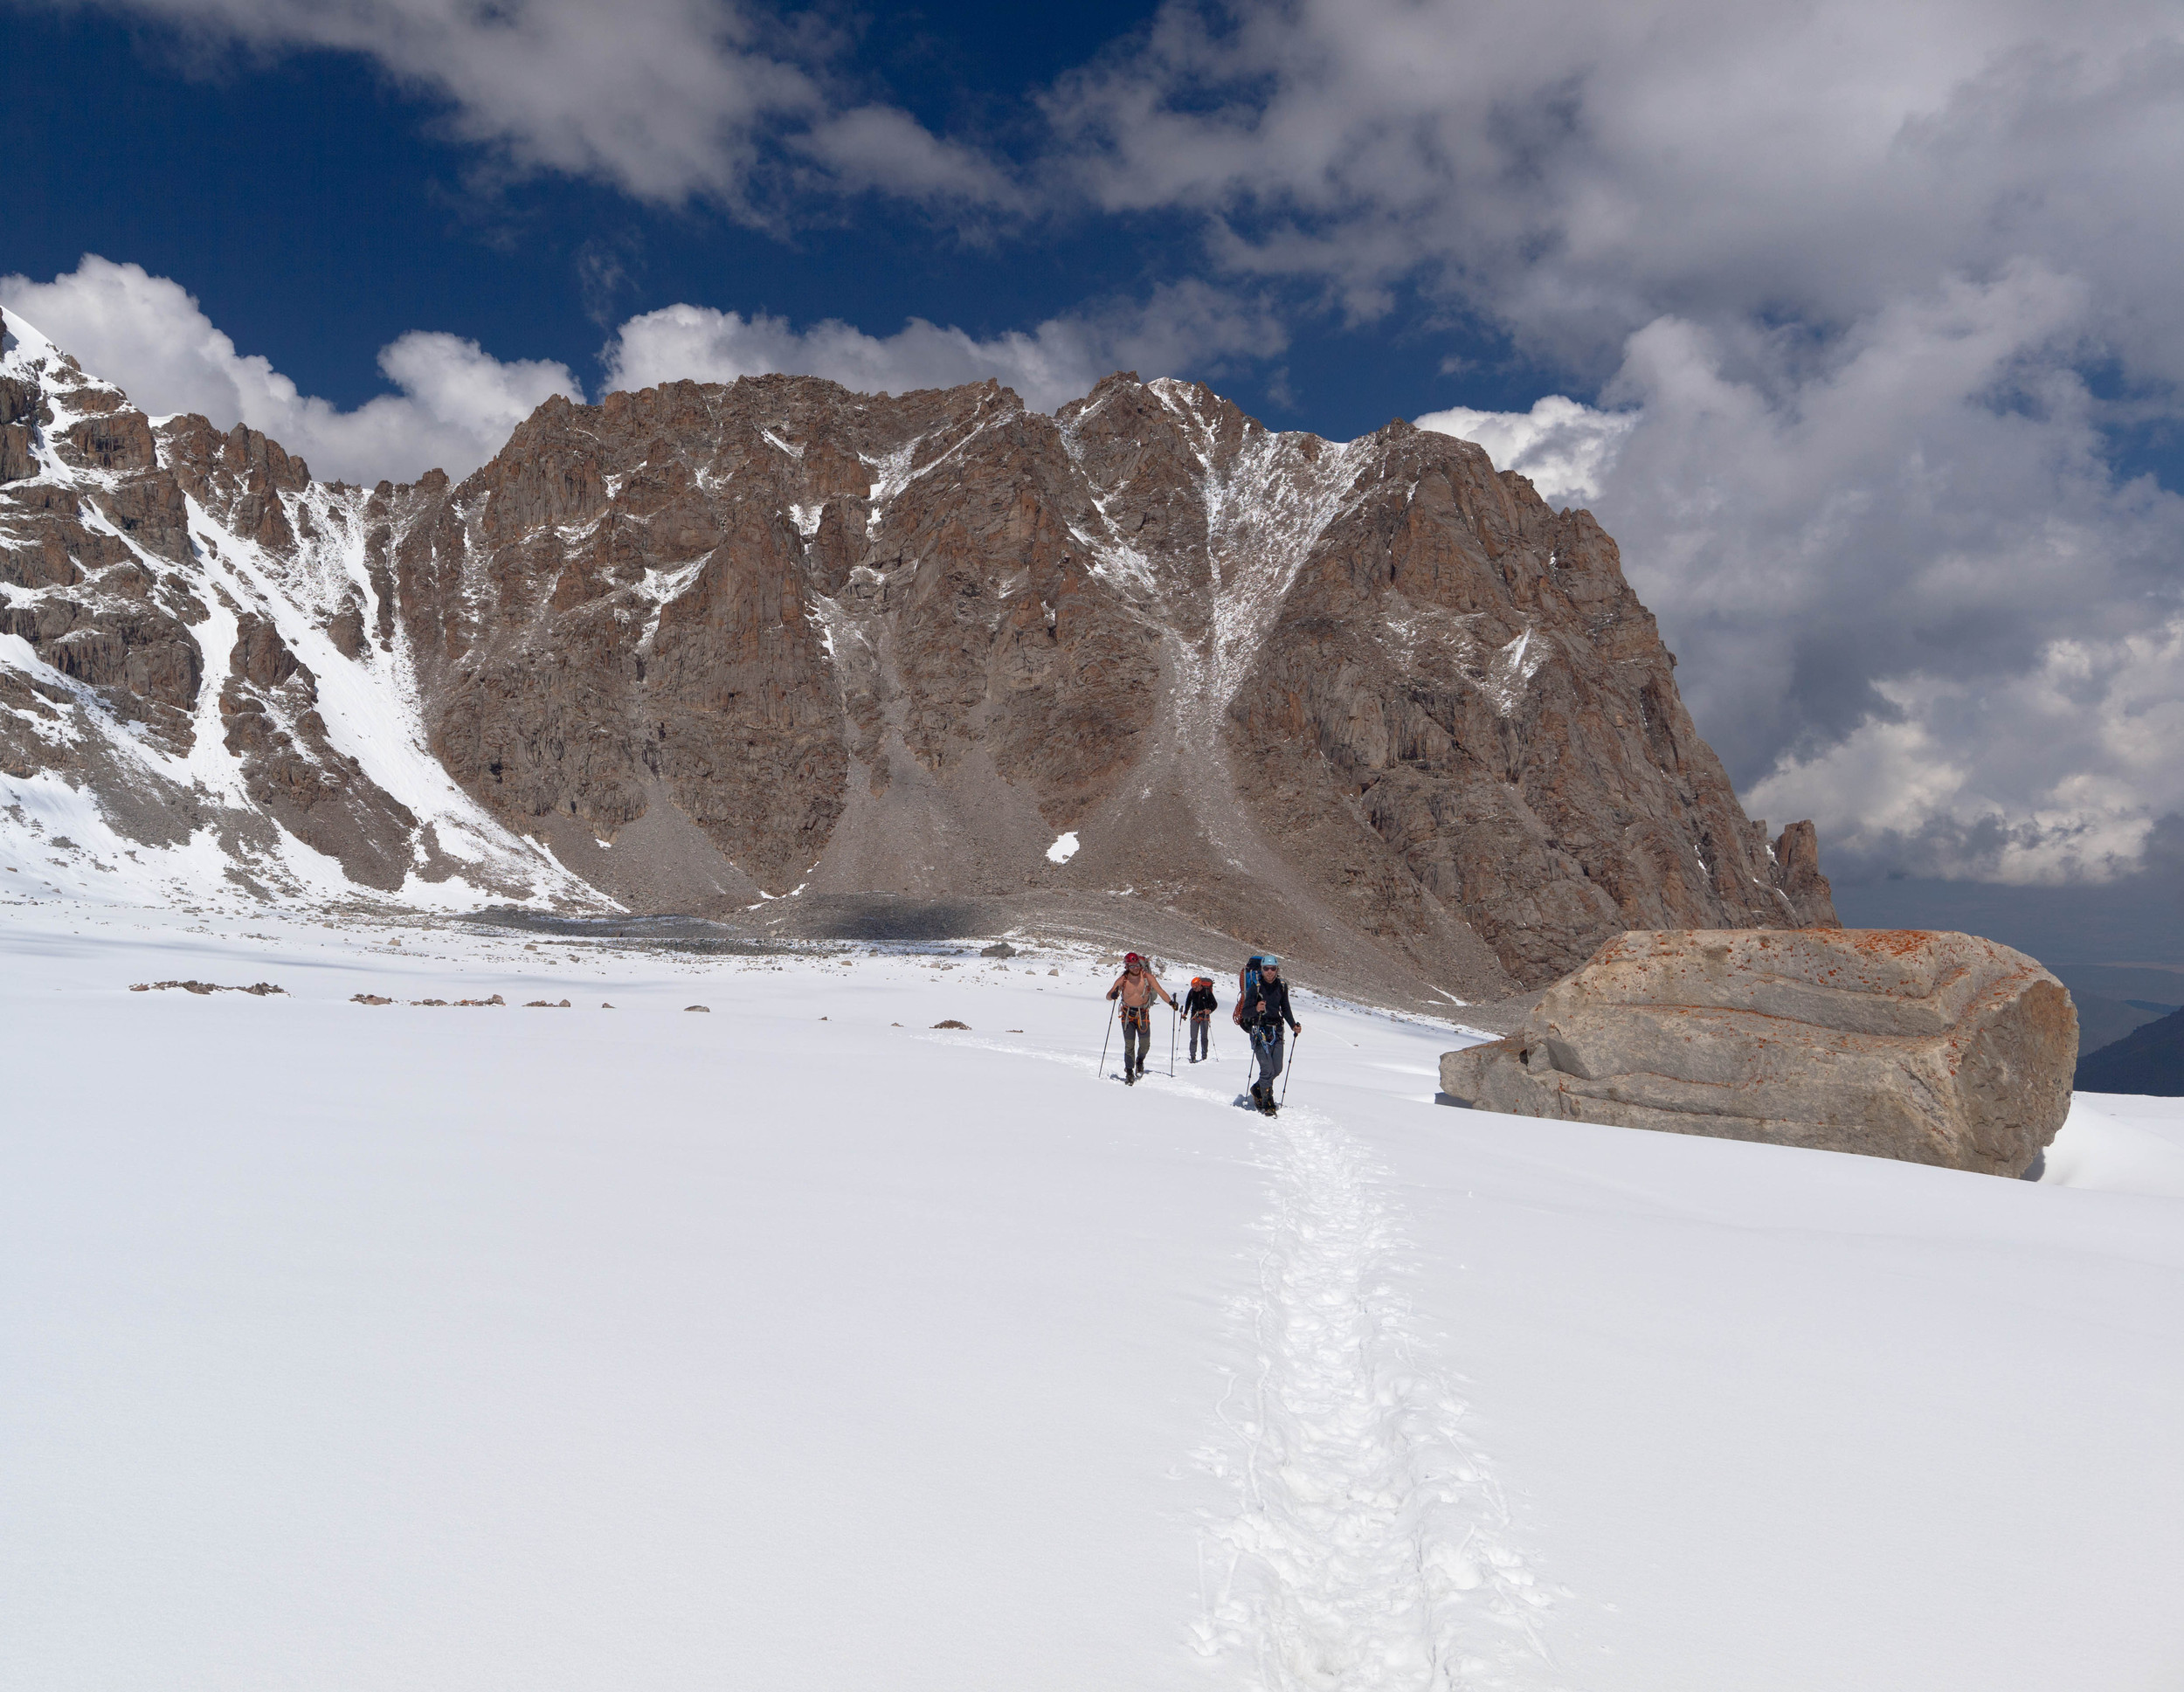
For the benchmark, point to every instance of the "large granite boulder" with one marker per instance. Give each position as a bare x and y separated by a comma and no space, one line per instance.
1933,1048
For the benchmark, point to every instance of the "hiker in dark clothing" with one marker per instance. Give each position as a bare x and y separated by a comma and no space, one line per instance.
1136,987
1200,1004
1263,1006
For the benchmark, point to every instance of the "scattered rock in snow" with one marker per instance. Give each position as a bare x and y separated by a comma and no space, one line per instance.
1932,1048
999,948
707,1008
952,1023
258,989
415,1002
368,998
546,1005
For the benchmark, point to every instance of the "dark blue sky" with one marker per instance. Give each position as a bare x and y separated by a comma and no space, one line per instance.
317,213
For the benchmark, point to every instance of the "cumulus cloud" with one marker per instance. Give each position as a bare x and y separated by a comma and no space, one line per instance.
455,405
1577,168
1564,446
667,99
1187,326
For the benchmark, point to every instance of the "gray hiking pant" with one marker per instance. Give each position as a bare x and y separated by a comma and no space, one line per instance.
1199,1035
1137,1040
1266,1046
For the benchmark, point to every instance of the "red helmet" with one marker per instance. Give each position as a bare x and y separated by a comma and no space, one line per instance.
1132,957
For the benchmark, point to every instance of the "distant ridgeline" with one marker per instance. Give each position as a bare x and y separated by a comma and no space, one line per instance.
2148,1060
2123,1011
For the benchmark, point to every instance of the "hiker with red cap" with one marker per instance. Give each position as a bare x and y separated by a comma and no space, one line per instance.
1136,987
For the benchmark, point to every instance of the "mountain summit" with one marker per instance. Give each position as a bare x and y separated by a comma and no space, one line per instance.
697,648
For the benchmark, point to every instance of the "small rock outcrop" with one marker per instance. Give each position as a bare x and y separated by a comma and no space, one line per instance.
1932,1049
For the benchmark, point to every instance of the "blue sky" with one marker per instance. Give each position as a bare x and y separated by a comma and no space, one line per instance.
317,211
1856,323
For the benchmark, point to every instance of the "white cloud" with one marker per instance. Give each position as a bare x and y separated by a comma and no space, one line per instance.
1577,168
1184,328
456,405
2065,779
881,148
1565,447
667,99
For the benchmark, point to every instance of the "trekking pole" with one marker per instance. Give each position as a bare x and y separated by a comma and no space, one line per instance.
1108,1036
1174,1017
1296,1040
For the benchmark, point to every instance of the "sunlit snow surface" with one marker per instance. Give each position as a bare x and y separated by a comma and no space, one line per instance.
1063,849
390,1347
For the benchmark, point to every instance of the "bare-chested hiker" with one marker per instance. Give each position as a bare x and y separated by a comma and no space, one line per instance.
1138,986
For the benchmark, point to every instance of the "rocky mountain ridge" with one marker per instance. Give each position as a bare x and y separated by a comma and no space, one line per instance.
702,648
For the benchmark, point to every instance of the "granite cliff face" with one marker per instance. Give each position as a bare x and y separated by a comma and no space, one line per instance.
708,645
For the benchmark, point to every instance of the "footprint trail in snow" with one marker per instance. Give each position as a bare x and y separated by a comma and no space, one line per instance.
1367,1551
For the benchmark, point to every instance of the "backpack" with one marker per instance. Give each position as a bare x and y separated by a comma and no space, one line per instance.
1251,979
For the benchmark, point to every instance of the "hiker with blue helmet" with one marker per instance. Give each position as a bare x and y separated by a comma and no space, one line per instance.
1262,1007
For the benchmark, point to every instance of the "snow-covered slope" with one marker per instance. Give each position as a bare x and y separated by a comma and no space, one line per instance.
797,1343
193,706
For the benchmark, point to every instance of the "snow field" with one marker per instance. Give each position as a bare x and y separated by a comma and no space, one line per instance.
373,1347
1368,1520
